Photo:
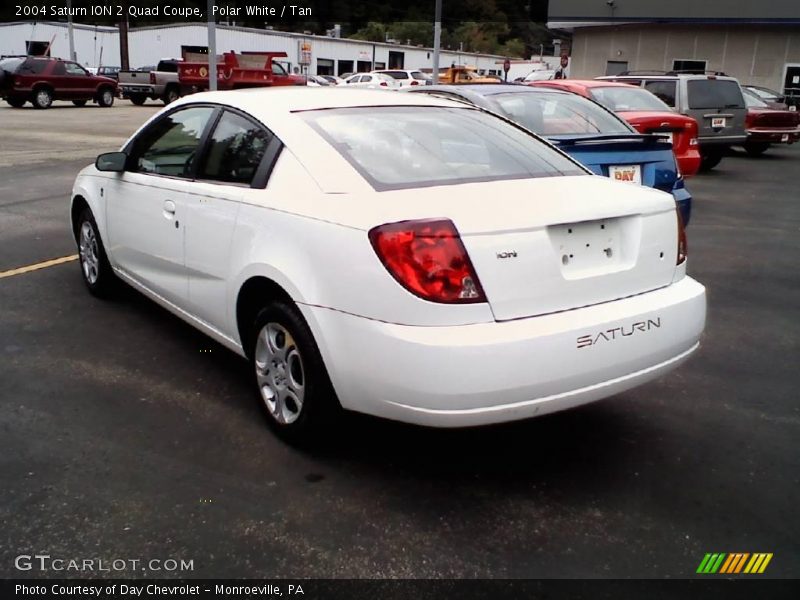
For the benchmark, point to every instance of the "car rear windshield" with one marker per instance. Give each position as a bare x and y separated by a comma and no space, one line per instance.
167,66
419,75
714,93
558,114
397,147
627,98
396,74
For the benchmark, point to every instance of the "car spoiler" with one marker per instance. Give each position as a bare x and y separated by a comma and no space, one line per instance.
591,138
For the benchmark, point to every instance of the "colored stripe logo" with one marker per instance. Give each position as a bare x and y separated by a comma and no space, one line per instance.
734,563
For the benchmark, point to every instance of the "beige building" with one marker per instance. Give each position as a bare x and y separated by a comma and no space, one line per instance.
757,42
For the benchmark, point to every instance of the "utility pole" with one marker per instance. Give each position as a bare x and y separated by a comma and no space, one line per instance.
70,32
124,61
437,39
212,47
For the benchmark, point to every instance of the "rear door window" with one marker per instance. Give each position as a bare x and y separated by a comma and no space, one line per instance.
714,93
664,90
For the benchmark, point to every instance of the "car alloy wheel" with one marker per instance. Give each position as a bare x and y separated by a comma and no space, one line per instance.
89,253
280,373
43,98
106,98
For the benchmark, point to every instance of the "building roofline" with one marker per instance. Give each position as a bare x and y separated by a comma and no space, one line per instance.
104,28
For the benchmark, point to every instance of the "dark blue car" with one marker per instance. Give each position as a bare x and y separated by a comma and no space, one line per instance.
585,130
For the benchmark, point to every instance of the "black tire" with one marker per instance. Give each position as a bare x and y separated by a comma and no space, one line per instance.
16,102
95,268
79,102
170,95
42,98
710,160
105,97
756,148
137,99
315,418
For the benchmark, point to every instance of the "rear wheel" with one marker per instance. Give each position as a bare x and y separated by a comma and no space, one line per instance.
42,98
170,95
137,99
95,268
293,385
79,102
16,102
756,148
106,97
710,160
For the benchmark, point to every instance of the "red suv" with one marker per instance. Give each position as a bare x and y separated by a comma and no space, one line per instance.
41,80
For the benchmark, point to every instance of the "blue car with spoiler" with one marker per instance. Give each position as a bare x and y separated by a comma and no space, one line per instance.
587,131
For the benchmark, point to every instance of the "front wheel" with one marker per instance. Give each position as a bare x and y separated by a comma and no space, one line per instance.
756,148
106,98
42,98
97,273
293,385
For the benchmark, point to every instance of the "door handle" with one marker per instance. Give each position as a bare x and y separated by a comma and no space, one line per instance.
169,209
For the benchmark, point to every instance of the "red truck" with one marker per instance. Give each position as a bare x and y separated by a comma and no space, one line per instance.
235,71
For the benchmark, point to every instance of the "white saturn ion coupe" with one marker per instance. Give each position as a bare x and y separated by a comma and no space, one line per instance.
394,254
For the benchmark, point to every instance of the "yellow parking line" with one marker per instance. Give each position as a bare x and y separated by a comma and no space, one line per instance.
37,266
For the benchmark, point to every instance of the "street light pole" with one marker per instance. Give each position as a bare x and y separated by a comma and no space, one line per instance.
70,32
437,39
212,48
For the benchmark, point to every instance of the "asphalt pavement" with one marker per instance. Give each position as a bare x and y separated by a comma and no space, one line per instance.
126,434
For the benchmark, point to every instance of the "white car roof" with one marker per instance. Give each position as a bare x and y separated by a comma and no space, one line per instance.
276,108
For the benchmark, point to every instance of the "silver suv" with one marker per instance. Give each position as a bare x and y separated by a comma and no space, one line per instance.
714,100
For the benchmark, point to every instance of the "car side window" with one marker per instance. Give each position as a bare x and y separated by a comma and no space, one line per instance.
235,150
169,146
75,69
59,69
33,66
664,90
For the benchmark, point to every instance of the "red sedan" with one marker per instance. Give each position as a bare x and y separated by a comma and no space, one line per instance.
766,126
644,111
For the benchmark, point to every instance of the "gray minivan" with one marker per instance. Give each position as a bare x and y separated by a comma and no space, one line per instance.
715,101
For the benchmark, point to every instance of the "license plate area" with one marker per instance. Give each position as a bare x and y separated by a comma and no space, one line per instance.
626,173
587,248
718,122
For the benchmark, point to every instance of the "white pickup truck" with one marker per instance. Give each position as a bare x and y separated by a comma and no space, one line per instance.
160,83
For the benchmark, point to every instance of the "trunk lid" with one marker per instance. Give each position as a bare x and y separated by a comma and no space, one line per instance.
551,244
639,158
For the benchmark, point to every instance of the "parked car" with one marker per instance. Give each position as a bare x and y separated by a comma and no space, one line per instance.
40,81
767,126
407,77
158,83
585,130
713,100
405,256
771,97
372,81
332,79
644,111
317,81
111,72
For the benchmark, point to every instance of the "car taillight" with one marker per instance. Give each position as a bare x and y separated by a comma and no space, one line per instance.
384,84
414,82
683,247
152,78
428,259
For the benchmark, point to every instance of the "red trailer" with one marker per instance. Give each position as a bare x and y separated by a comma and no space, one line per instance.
235,71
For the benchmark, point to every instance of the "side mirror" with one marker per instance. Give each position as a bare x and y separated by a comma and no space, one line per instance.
111,161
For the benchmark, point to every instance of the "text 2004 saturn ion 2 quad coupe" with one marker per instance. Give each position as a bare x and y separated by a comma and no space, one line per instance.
399,255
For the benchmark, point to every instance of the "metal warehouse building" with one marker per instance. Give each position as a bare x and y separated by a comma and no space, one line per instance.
147,45
758,42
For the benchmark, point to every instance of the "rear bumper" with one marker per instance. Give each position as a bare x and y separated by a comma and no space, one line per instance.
495,372
787,135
